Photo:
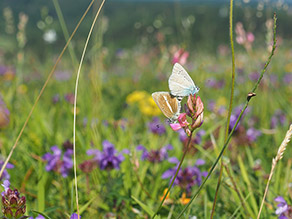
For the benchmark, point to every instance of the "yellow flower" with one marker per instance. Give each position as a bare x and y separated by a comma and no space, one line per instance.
148,107
136,96
184,200
167,199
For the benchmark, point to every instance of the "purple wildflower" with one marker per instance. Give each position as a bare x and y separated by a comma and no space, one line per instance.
62,75
287,79
273,79
211,82
254,76
156,127
284,211
198,138
252,134
109,158
155,156
279,118
38,217
55,163
75,216
4,115
234,116
187,177
69,98
56,99
5,174
6,185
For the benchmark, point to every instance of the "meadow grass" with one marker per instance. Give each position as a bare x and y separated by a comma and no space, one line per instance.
105,111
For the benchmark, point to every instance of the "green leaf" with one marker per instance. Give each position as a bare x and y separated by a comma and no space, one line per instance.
143,206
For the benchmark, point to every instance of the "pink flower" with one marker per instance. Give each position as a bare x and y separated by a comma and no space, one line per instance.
182,119
180,56
250,37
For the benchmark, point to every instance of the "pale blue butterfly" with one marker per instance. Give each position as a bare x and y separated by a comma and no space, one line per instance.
180,83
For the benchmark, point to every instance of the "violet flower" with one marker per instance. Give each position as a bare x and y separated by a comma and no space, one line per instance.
55,163
109,158
279,118
234,116
252,134
75,216
5,174
38,217
4,114
284,211
254,76
156,127
155,156
187,177
287,79
69,98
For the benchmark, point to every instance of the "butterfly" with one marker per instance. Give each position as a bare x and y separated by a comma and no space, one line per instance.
169,105
180,83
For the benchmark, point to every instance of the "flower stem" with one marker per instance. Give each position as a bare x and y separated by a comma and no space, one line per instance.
237,121
230,103
175,175
42,90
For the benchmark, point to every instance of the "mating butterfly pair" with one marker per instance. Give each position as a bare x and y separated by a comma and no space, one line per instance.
180,85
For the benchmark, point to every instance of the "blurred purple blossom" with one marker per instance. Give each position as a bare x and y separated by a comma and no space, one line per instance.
287,79
38,217
284,211
62,75
254,76
6,185
252,134
56,163
109,158
75,216
214,83
156,127
4,114
187,177
69,98
155,156
279,118
5,174
56,98
273,79
234,116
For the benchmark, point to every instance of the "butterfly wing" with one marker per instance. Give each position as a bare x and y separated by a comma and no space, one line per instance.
180,83
169,105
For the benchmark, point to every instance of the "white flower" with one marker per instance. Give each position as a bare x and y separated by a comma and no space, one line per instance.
50,36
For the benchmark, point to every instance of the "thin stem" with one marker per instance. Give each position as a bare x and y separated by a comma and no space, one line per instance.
230,103
175,175
237,121
65,30
75,105
42,90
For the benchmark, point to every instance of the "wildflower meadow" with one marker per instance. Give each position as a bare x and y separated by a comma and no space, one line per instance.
146,109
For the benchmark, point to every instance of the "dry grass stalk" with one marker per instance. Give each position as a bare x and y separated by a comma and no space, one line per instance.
279,156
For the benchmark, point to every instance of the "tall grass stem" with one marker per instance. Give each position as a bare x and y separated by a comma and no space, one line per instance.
65,31
230,102
175,175
279,156
237,121
42,90
75,104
